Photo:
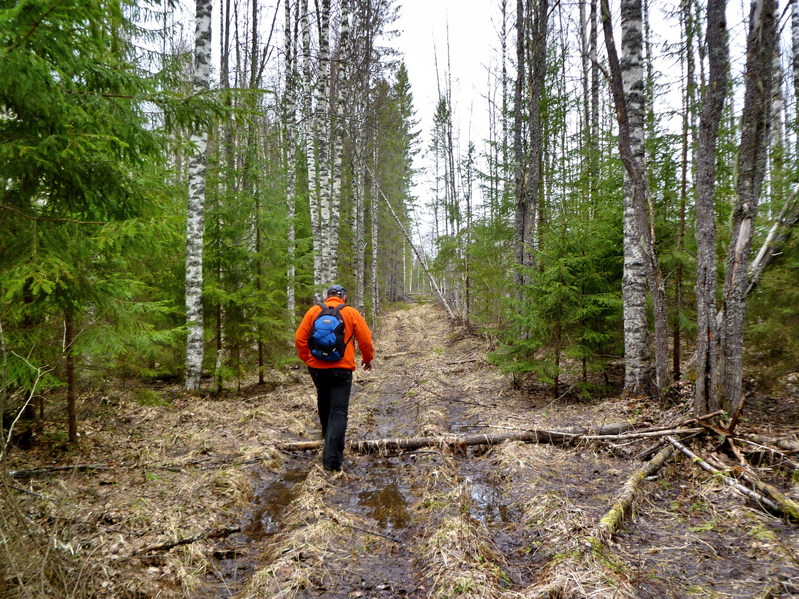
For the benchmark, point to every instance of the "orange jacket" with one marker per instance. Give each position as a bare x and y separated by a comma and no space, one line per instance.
354,323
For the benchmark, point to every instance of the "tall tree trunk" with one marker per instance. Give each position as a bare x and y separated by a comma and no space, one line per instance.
196,205
640,260
713,97
636,335
310,128
520,178
328,238
290,118
337,144
795,62
374,213
538,54
758,77
250,180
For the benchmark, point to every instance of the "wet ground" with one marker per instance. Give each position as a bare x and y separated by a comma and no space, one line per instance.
509,521
485,522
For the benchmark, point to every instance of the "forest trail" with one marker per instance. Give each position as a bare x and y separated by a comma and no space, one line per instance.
191,499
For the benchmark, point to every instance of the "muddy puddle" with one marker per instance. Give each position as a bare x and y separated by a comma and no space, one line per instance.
238,556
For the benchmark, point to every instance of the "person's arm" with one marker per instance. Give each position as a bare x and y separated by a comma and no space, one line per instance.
364,337
301,336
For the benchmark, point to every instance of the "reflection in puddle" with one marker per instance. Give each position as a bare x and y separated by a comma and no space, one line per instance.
272,500
486,502
387,504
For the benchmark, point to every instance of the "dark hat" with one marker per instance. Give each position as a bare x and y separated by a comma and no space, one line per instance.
337,290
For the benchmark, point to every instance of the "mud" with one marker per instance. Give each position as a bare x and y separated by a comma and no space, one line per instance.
507,522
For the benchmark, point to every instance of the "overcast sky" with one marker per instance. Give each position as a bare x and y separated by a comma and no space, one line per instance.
426,28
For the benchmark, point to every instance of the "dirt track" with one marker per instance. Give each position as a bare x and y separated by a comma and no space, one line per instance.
510,521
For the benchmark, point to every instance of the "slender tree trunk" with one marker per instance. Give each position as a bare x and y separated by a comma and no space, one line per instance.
250,179
336,143
594,49
374,214
640,262
636,336
713,97
72,387
758,77
290,117
535,186
328,237
196,205
795,65
310,128
520,179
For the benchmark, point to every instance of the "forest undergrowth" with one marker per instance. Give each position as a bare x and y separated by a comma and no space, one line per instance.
174,496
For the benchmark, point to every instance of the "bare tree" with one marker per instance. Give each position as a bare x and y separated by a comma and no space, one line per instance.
713,97
755,124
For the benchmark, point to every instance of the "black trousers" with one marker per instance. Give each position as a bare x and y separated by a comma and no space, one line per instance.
333,386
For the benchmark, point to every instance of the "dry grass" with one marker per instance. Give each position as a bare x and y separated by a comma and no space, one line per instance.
198,465
317,546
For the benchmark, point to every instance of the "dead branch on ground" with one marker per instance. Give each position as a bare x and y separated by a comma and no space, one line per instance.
611,522
200,536
530,436
782,506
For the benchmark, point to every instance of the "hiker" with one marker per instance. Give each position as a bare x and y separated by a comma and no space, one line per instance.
324,341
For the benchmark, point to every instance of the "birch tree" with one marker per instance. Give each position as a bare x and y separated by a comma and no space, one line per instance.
290,122
640,262
195,215
336,144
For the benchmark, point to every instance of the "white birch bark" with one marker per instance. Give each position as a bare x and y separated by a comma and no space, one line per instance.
337,146
777,136
195,215
327,238
795,58
374,213
309,126
636,333
290,116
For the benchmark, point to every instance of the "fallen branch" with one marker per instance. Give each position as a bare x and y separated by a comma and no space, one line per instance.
52,469
728,480
530,436
784,444
200,536
611,522
787,506
784,459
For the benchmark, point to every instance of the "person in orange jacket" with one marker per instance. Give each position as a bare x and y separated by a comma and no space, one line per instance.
333,377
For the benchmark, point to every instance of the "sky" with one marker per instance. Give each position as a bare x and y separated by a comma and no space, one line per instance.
425,28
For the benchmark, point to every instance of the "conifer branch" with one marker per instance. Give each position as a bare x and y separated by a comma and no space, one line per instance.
24,214
34,27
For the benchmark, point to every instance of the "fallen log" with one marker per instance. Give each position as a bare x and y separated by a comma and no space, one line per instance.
532,436
611,522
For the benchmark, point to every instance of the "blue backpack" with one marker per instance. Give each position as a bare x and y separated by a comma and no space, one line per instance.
326,340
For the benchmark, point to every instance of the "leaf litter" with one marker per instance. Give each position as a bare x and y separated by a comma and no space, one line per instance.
196,502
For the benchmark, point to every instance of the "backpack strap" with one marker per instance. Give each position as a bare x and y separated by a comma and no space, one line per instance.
336,311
